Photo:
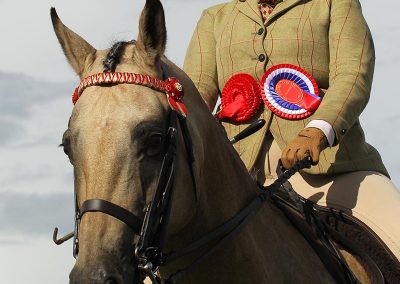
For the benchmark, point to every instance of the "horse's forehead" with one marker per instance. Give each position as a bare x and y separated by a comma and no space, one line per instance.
128,61
121,105
118,107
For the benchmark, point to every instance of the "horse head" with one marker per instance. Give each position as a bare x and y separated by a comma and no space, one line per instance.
116,140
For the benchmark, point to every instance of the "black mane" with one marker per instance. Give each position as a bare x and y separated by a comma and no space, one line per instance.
113,57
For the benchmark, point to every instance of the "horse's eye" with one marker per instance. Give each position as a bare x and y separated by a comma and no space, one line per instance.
154,144
65,144
65,148
156,140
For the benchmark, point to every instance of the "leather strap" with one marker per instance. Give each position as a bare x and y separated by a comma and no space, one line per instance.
326,255
232,227
99,205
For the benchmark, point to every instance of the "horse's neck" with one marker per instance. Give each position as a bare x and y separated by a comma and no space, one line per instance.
265,250
224,188
224,184
227,186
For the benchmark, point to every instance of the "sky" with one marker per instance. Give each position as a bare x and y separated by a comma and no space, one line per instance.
36,84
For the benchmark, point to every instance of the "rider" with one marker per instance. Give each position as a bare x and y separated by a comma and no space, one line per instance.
330,40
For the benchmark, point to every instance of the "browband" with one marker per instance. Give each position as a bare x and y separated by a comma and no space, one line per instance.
171,86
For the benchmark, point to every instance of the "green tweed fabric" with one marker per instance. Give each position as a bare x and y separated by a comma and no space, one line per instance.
328,38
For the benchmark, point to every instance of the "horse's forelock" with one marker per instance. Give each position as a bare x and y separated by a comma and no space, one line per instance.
114,55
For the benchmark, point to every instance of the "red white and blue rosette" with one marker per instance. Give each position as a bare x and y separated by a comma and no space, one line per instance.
290,92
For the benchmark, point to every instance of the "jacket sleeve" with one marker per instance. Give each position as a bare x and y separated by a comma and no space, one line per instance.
351,68
200,61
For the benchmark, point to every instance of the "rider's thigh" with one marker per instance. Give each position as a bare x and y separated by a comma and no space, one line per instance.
369,196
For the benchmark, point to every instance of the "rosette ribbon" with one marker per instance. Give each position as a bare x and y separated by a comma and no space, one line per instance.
240,98
287,90
290,92
174,91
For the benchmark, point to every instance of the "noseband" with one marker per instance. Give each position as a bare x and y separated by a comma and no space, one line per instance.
152,229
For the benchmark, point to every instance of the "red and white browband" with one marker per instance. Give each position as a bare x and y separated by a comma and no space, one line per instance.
171,86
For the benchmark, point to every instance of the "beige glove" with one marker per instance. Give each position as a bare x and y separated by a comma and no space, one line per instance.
309,142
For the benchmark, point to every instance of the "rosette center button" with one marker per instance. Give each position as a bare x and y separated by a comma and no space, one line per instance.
261,57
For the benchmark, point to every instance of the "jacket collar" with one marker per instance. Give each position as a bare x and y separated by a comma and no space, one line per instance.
281,8
251,10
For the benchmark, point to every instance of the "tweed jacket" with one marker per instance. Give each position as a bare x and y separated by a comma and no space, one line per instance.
328,38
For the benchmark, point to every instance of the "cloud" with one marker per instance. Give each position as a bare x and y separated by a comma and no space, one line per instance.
20,93
36,46
24,99
35,176
33,115
35,261
9,130
32,215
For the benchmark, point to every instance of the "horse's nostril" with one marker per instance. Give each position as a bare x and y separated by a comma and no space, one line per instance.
111,280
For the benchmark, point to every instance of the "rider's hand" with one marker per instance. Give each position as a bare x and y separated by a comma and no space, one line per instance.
309,142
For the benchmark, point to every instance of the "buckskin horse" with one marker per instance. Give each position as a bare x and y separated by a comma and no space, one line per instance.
153,171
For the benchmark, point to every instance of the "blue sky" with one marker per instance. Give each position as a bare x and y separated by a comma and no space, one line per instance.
35,88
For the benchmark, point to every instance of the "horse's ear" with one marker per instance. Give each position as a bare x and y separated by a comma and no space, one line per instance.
78,52
152,36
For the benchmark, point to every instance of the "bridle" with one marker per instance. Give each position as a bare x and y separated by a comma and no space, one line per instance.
152,229
149,250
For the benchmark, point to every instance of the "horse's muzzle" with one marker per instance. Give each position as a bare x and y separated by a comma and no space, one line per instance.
95,275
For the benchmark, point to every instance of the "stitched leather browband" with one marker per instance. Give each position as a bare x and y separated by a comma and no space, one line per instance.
118,78
171,86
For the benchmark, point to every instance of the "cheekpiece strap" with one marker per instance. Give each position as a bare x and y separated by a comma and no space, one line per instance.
171,86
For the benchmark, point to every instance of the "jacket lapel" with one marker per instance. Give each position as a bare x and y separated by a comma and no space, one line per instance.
250,9
281,8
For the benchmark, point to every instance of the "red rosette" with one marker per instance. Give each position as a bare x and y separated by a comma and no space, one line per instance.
174,87
240,98
178,106
174,90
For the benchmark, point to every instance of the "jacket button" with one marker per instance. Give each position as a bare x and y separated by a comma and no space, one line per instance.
261,58
260,31
343,131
